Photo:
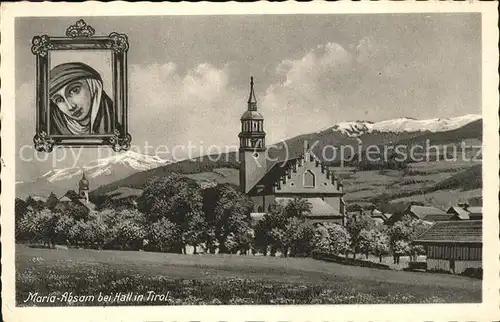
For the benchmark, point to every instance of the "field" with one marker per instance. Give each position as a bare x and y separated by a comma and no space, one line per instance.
408,185
398,185
222,279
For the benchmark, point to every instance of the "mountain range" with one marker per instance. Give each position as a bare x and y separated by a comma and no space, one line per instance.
98,172
131,169
404,124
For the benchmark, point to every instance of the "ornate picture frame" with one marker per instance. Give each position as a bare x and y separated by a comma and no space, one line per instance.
80,37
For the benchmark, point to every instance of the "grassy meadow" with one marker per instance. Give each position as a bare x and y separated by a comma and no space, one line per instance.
223,279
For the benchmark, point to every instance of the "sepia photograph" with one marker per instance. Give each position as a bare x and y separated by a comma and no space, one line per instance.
252,160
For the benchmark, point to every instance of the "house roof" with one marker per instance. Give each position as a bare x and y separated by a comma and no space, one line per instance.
89,205
65,199
475,211
428,213
378,214
459,211
318,207
467,231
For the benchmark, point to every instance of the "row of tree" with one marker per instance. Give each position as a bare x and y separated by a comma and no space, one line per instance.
174,212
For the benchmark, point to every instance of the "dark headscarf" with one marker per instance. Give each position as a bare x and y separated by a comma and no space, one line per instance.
63,74
66,73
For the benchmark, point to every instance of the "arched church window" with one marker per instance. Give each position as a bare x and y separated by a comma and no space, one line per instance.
309,179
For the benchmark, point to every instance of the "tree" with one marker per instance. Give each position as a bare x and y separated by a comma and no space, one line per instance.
227,211
355,224
298,208
284,229
374,241
162,236
39,225
63,228
178,199
262,238
20,210
20,207
34,204
73,208
301,237
51,202
401,235
332,239
130,230
195,230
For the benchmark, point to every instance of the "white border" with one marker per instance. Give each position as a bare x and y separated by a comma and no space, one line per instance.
486,311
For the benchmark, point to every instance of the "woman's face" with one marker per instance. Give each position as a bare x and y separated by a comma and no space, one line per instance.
74,100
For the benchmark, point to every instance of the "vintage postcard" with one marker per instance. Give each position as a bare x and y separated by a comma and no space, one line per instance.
251,162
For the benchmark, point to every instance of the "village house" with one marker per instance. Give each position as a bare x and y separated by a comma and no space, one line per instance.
79,200
464,212
300,177
379,216
424,213
453,246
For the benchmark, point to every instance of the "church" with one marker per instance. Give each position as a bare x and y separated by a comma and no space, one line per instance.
301,177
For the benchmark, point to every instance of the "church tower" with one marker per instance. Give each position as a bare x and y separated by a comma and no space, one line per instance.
252,152
83,188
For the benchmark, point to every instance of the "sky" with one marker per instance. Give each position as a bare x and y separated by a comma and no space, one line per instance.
189,75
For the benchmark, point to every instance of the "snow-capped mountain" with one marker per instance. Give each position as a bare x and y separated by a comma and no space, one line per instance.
98,172
106,166
358,128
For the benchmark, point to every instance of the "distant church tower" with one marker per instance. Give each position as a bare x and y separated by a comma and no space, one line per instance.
252,152
83,187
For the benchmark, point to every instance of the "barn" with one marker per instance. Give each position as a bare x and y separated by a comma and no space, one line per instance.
453,246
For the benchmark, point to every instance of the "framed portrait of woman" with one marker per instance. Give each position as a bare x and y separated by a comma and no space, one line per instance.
81,89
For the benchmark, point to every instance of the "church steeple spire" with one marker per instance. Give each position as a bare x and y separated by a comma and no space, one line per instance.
83,187
252,101
252,144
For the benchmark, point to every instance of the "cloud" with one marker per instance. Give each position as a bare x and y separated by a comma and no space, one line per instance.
307,98
171,108
201,105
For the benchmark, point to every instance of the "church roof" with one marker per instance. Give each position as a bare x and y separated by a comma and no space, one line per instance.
274,172
319,208
252,115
